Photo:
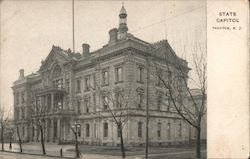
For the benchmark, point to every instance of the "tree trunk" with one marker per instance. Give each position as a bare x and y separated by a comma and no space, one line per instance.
42,140
198,143
122,144
2,139
10,141
19,140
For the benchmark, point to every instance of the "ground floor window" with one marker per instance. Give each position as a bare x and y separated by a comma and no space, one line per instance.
118,131
139,129
159,130
87,130
180,130
168,130
105,131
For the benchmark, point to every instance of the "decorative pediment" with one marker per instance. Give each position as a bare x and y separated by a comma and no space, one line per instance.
57,56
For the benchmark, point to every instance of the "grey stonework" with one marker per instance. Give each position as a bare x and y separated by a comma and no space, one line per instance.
60,87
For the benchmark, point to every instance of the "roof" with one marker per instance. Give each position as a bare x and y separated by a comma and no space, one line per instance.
123,10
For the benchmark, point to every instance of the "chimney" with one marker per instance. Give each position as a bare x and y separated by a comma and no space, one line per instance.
21,74
85,49
113,35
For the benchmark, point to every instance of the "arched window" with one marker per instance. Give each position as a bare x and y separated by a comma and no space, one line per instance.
57,71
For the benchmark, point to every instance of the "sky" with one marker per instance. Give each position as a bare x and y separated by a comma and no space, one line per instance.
30,28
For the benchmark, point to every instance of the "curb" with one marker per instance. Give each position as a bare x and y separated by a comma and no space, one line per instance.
25,153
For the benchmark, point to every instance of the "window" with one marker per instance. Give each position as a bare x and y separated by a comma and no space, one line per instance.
118,74
78,85
168,130
16,98
33,133
68,128
23,100
159,130
67,103
105,129
139,129
159,101
180,127
94,102
140,100
23,113
140,74
87,130
168,103
86,104
57,71
158,77
17,113
118,99
118,131
79,106
67,85
58,83
105,77
105,102
87,83
94,81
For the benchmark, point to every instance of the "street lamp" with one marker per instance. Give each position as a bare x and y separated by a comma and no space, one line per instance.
11,134
76,128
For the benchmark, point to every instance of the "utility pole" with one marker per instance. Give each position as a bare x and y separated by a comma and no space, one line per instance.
147,113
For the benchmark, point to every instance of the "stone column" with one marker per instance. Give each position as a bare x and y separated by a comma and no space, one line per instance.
59,129
52,102
112,132
52,130
45,102
47,130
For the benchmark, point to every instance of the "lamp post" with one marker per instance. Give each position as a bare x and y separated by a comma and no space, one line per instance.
11,134
76,128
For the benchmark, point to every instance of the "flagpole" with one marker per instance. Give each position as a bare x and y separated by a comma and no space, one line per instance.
73,24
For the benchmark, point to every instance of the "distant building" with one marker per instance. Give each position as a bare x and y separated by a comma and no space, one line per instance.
62,87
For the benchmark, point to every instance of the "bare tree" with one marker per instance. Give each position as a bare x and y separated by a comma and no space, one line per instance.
174,78
4,119
116,102
19,139
39,113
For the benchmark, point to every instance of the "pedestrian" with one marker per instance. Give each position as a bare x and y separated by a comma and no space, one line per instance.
61,152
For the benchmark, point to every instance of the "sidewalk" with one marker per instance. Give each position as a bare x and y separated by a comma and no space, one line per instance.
35,148
104,152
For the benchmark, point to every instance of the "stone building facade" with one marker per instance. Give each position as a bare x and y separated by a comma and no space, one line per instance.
71,87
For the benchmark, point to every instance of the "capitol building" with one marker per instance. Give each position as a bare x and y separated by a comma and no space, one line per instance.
71,86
